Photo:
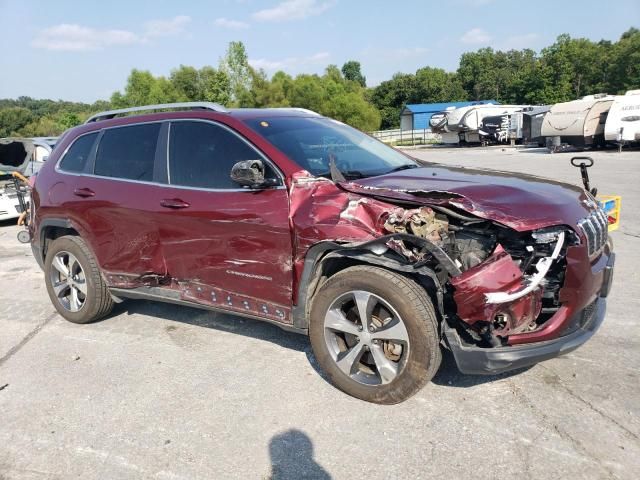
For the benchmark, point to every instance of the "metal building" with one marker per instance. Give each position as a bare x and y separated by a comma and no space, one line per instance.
417,116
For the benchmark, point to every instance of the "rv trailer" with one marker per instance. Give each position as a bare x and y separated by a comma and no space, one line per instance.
471,122
578,123
623,121
446,122
495,128
522,127
531,125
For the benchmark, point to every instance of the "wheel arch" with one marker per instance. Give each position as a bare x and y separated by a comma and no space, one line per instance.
325,259
50,229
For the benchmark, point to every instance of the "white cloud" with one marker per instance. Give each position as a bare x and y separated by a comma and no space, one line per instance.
293,10
320,56
76,38
290,62
166,27
231,24
476,36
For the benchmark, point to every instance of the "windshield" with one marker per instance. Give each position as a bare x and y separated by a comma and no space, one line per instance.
313,142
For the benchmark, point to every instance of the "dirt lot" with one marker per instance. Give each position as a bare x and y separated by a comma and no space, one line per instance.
160,391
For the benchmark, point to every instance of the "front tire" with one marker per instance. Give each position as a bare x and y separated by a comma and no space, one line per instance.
374,333
74,282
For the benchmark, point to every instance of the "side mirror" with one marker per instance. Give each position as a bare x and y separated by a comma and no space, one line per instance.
249,173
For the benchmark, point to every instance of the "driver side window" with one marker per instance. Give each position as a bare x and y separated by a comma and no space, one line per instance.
201,155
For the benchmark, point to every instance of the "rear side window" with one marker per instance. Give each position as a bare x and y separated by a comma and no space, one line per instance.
128,152
201,155
76,157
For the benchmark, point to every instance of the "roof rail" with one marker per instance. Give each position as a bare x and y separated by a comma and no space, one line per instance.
163,106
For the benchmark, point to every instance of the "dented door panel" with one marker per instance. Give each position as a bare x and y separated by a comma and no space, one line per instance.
235,240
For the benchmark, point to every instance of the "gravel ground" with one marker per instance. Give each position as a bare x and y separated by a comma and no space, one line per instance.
167,392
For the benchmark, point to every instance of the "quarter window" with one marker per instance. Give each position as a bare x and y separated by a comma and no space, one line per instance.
76,157
128,152
201,155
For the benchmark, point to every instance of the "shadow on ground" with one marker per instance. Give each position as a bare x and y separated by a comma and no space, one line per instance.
291,455
448,374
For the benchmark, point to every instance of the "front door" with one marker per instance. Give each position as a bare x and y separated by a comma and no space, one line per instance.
223,244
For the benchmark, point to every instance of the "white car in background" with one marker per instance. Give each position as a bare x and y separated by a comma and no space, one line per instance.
23,155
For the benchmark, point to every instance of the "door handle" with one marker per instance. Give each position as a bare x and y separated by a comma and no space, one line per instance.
174,203
84,192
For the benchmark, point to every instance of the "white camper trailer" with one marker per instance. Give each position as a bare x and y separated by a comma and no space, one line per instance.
623,121
440,121
465,123
579,123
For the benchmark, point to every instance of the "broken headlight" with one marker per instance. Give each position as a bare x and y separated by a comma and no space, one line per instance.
547,235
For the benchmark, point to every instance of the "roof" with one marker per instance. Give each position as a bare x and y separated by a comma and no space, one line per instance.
249,113
438,107
238,114
197,106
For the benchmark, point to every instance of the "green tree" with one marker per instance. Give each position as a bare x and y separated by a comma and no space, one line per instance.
206,84
42,127
351,71
186,81
68,120
434,85
625,63
144,89
214,85
575,67
13,119
235,64
265,92
391,95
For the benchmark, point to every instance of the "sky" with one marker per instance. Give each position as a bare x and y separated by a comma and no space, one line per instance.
84,50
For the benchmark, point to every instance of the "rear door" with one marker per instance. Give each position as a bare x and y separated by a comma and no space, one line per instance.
118,198
229,245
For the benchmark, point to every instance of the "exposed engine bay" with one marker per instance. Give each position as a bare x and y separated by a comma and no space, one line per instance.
508,281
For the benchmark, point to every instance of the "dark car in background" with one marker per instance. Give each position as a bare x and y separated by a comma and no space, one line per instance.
286,216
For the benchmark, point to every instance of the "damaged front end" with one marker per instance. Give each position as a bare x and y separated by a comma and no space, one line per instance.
489,281
506,282
518,275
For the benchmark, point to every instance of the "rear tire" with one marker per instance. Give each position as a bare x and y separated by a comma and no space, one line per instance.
74,282
390,356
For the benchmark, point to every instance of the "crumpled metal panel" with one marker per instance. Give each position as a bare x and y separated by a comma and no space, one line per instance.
497,273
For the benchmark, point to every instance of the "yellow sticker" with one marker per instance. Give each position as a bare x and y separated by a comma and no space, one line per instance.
264,124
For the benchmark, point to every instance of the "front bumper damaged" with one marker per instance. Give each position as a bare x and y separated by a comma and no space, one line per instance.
490,361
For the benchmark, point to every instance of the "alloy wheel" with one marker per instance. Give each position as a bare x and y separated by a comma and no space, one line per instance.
366,337
68,281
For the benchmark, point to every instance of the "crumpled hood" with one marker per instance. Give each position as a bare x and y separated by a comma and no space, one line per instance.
15,154
522,202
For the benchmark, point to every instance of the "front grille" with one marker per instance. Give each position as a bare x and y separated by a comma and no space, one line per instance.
595,229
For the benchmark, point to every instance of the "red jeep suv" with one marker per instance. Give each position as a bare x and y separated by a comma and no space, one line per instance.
292,218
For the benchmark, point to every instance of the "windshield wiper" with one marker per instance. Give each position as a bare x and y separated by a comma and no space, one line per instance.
403,167
339,176
336,174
